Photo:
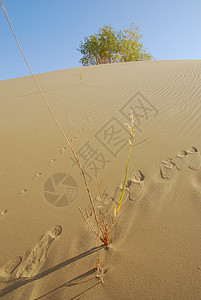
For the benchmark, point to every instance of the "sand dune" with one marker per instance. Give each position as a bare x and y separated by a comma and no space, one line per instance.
155,251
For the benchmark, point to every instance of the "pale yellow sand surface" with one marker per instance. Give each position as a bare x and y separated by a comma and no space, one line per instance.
46,249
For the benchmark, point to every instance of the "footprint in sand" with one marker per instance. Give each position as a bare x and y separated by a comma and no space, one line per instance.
10,267
118,192
181,160
37,175
3,213
73,139
62,150
97,203
22,193
105,204
135,185
166,168
188,159
52,161
193,157
36,257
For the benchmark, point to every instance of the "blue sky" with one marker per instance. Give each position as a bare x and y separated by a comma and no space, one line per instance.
50,31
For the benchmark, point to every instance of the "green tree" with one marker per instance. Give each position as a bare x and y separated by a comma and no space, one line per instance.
110,46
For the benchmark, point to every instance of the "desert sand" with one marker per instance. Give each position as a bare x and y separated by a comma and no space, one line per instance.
46,249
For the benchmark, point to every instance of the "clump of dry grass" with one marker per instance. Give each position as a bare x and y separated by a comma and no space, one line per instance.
103,229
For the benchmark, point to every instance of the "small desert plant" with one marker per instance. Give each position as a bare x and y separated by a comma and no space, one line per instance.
103,229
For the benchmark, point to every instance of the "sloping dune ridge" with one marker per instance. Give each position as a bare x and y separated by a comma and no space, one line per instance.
47,251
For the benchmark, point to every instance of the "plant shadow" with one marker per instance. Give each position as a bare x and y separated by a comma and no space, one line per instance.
17,283
75,281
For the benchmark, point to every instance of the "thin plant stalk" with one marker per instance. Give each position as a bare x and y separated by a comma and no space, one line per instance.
124,184
131,140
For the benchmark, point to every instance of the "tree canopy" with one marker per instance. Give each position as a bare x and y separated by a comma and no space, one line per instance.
111,46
